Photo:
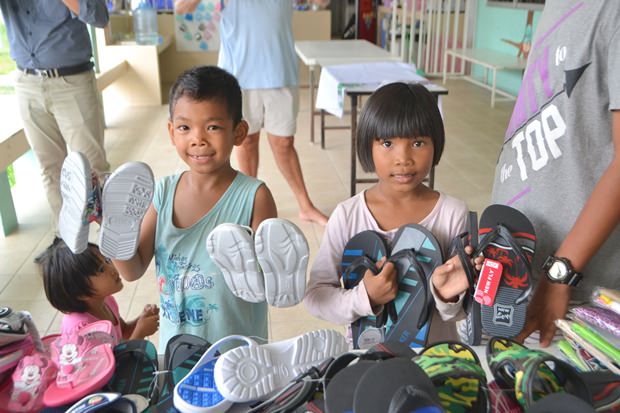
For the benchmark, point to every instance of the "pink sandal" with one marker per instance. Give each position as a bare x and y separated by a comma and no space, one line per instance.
85,363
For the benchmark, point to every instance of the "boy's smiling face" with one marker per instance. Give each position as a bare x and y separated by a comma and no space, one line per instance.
203,134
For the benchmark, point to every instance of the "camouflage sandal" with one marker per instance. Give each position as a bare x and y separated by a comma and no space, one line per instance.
532,374
460,380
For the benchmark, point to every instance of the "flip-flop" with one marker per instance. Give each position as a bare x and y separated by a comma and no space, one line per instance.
104,402
198,392
85,363
507,236
255,372
369,245
379,384
75,188
231,247
561,403
12,326
605,389
471,307
126,196
136,370
532,374
282,252
458,376
410,399
182,353
414,301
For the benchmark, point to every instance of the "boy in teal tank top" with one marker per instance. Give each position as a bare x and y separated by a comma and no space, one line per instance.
205,124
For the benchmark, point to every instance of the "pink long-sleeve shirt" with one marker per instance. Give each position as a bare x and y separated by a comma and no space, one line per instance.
325,297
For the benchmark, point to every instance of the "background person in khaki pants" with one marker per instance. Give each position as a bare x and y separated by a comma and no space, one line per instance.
56,89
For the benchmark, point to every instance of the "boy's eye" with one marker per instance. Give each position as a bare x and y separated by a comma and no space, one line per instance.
213,127
183,128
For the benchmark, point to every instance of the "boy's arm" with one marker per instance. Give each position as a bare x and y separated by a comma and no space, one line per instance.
264,206
134,268
598,218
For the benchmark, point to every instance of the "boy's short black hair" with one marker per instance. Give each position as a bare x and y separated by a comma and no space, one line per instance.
202,83
403,110
66,276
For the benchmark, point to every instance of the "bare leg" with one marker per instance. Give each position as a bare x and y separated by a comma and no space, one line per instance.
288,162
247,155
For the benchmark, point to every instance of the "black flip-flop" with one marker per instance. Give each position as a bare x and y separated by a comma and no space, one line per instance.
605,388
473,321
561,403
507,236
363,249
136,370
379,384
410,399
414,301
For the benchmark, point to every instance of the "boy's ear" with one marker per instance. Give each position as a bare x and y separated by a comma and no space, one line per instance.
241,131
170,131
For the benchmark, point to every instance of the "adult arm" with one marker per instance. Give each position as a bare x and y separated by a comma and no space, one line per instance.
598,218
136,266
94,12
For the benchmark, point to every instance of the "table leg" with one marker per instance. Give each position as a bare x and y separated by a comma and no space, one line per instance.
322,129
311,75
353,143
493,90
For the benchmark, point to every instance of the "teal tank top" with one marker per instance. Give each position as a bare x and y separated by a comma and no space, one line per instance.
193,296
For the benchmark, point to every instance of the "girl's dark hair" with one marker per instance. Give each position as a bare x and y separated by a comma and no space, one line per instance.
66,276
403,110
202,83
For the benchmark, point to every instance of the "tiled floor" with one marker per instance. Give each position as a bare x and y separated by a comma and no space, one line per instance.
474,136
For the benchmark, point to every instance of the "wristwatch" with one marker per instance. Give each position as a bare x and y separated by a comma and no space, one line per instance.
559,270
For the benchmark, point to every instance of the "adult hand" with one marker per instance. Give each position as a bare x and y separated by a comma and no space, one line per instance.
550,303
381,288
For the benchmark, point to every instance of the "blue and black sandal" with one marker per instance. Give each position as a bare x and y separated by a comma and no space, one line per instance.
361,253
416,253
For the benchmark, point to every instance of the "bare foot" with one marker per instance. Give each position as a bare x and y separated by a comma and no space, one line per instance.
313,215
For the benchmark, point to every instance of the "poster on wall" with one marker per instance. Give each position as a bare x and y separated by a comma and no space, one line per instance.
199,31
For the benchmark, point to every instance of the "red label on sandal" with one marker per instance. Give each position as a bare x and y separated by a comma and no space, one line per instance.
488,282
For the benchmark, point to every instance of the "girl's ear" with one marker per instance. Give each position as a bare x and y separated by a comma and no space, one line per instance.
241,131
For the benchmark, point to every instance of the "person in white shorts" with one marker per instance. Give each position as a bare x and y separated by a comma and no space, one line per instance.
256,46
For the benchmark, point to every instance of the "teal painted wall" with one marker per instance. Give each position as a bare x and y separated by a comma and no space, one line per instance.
494,24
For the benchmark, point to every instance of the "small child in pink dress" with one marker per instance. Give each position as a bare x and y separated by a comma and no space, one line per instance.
81,287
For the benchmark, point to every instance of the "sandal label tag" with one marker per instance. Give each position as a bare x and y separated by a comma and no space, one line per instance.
488,282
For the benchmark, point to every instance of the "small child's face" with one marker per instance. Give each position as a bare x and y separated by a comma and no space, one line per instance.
203,134
402,163
107,280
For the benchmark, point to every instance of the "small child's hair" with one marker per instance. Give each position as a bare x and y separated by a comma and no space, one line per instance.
202,83
66,275
399,110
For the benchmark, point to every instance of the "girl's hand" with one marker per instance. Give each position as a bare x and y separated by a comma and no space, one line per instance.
381,288
150,309
450,279
146,325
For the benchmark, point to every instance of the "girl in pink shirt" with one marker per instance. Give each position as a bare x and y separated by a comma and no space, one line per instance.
400,137
81,287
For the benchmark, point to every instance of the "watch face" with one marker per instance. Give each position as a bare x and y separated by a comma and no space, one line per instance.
558,271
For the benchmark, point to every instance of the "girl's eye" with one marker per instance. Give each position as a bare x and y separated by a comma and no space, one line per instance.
417,144
386,143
